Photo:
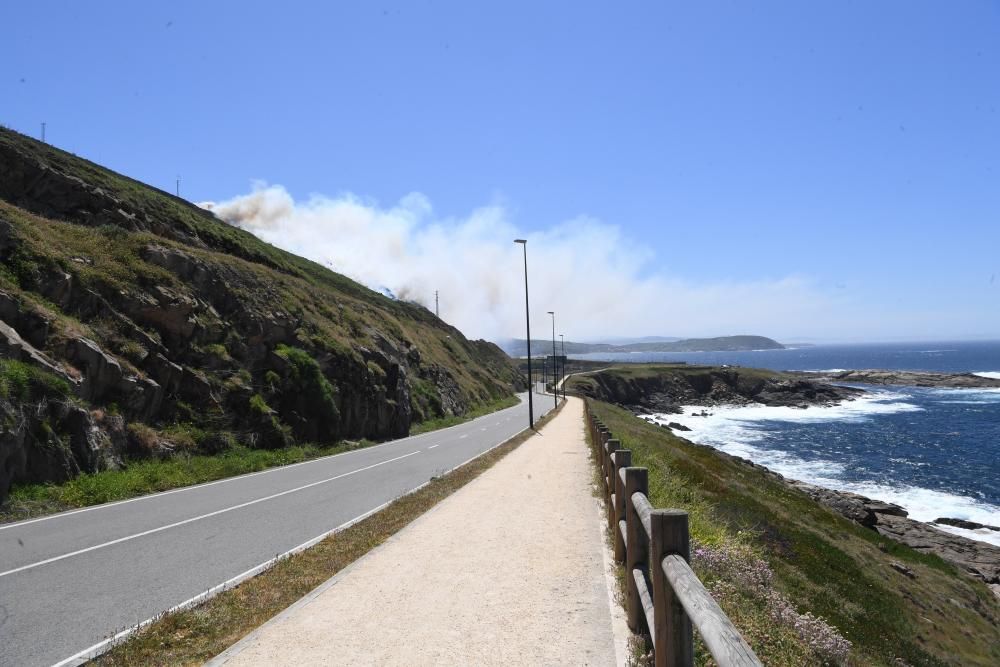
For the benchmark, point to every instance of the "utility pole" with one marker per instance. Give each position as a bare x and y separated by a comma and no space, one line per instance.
562,352
555,364
43,132
437,311
527,326
178,185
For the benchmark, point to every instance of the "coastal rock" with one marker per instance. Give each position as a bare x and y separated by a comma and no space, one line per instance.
911,379
980,559
666,391
968,525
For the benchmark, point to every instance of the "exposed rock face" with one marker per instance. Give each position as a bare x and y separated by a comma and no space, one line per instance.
979,559
12,346
666,391
968,525
855,507
911,379
50,441
155,312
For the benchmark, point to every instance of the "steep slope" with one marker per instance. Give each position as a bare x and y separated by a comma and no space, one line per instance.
134,323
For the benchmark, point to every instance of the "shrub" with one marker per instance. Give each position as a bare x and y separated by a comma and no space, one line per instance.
376,371
132,351
19,381
737,577
143,439
309,386
259,406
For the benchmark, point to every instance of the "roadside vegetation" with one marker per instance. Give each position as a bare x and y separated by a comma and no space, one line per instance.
193,636
445,422
804,585
141,477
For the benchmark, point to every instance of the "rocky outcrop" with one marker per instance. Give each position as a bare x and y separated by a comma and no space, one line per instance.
980,559
666,389
157,313
967,525
911,379
12,346
51,440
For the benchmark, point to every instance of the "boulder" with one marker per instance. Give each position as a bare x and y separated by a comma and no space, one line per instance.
12,346
168,374
968,525
102,373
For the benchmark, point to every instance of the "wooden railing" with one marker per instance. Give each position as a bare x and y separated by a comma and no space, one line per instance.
664,595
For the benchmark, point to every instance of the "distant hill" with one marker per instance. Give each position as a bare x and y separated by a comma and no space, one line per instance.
518,348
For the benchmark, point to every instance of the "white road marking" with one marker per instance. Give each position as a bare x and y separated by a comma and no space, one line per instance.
100,647
433,446
198,518
192,487
463,436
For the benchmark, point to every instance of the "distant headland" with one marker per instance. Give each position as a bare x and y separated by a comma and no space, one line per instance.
517,347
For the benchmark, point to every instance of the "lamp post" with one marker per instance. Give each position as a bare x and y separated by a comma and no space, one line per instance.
562,353
555,385
527,325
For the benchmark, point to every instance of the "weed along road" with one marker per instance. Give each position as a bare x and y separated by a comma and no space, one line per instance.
70,581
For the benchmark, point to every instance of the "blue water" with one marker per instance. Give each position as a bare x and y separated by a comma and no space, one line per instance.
936,452
944,356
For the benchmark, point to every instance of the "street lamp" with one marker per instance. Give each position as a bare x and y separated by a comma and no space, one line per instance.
527,324
562,352
555,385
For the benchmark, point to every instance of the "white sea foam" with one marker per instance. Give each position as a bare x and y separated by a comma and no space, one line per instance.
827,370
995,375
738,431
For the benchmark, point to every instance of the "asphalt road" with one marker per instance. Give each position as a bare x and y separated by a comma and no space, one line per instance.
70,581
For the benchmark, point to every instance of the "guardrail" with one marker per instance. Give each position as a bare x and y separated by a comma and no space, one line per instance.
663,594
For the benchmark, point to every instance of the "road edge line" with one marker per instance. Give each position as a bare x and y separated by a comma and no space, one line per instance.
96,650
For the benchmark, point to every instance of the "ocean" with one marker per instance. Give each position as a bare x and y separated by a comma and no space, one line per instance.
935,452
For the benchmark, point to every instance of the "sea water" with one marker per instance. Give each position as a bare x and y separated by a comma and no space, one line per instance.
935,452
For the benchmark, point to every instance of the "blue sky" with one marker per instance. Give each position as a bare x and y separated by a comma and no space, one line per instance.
828,169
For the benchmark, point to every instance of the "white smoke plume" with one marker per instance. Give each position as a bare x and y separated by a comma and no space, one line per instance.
598,282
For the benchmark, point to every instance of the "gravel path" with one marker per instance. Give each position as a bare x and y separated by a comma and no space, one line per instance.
510,569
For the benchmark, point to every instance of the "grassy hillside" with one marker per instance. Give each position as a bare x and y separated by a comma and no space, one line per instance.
176,332
762,545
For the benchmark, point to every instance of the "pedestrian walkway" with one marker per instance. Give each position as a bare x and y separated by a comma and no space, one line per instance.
509,570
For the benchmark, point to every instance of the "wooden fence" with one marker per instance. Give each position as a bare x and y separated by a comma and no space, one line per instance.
663,594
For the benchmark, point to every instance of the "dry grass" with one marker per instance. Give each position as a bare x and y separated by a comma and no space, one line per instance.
198,634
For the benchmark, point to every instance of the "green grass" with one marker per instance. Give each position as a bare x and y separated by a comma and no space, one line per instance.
138,478
825,564
151,476
21,382
479,411
193,636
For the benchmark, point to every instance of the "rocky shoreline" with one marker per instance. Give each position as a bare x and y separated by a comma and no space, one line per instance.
670,389
907,378
978,559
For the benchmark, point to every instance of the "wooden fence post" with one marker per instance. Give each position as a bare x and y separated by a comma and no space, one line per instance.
673,641
609,465
636,481
616,511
